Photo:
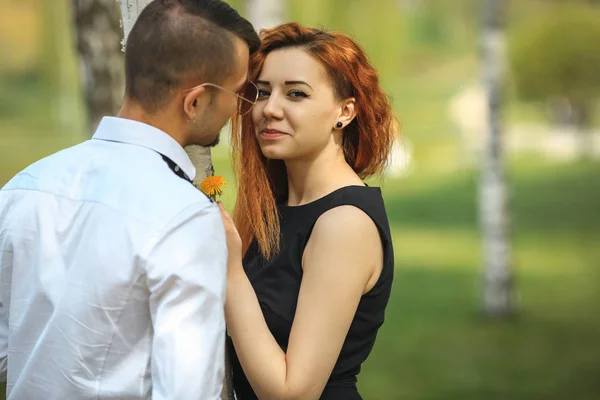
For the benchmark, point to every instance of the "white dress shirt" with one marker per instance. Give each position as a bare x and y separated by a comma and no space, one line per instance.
113,272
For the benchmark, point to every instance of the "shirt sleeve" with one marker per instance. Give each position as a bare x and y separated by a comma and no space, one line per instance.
186,273
3,344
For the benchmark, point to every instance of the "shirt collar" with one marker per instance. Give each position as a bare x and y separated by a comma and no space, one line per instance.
141,134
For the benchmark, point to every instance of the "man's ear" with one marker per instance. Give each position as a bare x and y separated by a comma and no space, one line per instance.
190,101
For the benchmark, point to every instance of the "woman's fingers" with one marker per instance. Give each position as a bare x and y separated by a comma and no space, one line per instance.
224,213
234,242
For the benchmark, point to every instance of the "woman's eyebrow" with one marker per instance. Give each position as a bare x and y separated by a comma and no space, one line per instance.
287,83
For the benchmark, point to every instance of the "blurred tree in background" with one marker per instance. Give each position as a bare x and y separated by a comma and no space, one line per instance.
98,35
493,200
266,13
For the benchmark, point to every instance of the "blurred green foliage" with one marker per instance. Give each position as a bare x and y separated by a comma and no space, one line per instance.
555,55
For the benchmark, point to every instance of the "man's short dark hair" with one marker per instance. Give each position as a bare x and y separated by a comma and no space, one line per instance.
174,41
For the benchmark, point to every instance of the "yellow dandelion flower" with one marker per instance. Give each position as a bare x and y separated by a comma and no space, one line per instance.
213,186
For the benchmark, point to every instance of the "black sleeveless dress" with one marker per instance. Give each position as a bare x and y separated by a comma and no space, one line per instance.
277,284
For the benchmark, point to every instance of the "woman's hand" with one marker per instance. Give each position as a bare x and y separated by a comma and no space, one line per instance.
234,241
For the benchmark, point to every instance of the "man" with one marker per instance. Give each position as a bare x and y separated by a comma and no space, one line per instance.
112,264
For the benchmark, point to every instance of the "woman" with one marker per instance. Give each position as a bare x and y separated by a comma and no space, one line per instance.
307,297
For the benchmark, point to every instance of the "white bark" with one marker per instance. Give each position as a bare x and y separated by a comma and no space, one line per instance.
265,13
498,278
130,9
101,62
200,156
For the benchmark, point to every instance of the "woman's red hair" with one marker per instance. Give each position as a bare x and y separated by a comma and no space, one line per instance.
367,140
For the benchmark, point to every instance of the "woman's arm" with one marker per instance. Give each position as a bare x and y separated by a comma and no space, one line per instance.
341,261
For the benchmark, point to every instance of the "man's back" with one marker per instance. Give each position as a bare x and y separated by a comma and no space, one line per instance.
98,242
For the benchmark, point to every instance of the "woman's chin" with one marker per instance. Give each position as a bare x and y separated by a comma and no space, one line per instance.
272,153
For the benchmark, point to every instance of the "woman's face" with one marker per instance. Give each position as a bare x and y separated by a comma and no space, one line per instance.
296,111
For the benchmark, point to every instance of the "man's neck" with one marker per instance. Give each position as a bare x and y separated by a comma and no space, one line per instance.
162,121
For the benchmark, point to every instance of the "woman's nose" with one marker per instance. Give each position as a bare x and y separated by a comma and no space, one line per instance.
273,108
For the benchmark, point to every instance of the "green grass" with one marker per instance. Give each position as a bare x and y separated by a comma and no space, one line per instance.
437,345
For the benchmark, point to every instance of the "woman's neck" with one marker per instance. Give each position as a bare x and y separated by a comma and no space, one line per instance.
309,180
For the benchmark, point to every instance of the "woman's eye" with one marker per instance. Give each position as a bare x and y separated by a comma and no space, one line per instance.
297,94
262,93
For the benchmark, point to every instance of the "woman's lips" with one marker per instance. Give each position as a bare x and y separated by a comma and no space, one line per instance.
271,134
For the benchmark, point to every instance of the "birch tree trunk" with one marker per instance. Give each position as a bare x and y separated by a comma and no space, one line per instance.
265,13
498,277
200,156
101,62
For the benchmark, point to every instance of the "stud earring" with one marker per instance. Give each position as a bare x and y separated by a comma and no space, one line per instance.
339,125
